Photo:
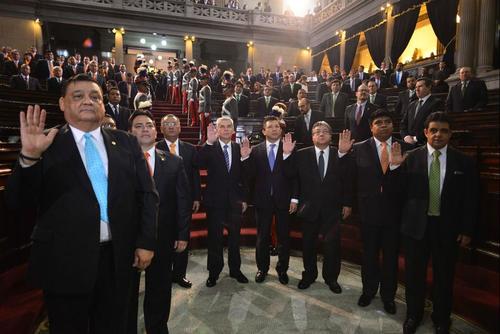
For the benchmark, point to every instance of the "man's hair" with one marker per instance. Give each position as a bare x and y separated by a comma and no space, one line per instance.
224,118
336,81
138,113
114,88
410,76
269,119
307,100
379,113
427,81
169,116
238,83
23,66
319,124
438,116
75,79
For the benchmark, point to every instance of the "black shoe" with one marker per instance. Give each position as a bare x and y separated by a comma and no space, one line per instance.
283,278
260,276
410,326
239,277
184,282
390,307
364,300
335,287
211,281
303,284
442,329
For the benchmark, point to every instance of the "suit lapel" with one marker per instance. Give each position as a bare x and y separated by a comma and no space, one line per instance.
160,158
374,155
113,162
331,161
450,168
314,163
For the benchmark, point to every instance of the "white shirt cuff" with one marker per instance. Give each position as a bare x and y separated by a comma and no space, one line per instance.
393,167
294,200
285,156
341,154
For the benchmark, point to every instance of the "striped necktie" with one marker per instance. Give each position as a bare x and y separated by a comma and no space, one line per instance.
226,158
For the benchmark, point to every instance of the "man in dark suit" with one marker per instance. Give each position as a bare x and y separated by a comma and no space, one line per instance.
323,88
350,86
469,94
242,100
357,115
94,74
407,96
439,213
25,81
174,212
266,103
261,76
263,166
71,68
324,197
334,103
92,227
171,128
379,205
378,100
362,75
386,70
45,66
293,107
380,79
305,122
121,75
224,197
275,91
55,83
412,123
286,88
277,76
13,66
119,113
398,78
128,91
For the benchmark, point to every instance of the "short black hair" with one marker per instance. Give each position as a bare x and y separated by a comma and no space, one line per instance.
77,78
114,88
379,113
427,81
336,81
269,119
438,116
138,113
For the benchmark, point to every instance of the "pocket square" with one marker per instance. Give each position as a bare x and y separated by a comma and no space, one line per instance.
458,172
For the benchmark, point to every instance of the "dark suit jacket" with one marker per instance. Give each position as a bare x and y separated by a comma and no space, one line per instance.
65,250
293,109
243,106
121,119
459,196
262,111
175,205
317,198
9,68
365,76
261,179
301,133
277,78
190,156
346,86
380,101
362,131
411,126
402,83
17,82
42,70
475,96
68,71
322,90
224,189
340,105
122,86
53,86
383,82
379,195
287,93
403,101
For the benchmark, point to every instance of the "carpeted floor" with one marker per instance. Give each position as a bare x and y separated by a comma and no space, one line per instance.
271,307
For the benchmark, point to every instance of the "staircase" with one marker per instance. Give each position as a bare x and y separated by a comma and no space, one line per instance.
188,134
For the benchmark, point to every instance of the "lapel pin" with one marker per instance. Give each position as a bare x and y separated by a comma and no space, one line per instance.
113,142
162,158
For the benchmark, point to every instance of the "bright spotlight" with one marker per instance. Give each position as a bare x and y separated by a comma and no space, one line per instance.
164,43
143,41
153,47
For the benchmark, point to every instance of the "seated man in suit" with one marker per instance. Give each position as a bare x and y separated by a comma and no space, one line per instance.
412,123
170,180
334,103
24,81
440,210
378,100
266,103
293,107
241,99
55,83
350,85
305,121
398,78
119,113
407,96
357,115
13,66
325,195
469,94
224,197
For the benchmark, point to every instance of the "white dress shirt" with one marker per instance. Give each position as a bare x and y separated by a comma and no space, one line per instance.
152,159
105,232
307,119
442,163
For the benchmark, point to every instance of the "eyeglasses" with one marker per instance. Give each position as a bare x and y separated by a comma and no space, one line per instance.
109,126
169,123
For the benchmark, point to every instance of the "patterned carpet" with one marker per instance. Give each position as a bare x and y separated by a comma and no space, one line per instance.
271,307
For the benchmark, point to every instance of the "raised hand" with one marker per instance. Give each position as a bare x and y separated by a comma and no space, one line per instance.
34,141
397,157
245,148
288,144
211,134
345,141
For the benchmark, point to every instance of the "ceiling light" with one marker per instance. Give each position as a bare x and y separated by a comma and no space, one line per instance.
164,42
151,61
153,47
160,57
143,41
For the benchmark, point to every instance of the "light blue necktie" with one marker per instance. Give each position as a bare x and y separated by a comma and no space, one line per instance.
226,158
271,157
97,175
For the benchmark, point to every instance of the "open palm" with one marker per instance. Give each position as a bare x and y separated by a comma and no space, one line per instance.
33,139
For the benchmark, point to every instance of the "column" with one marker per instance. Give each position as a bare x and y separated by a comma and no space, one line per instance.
119,46
37,35
465,34
486,36
342,50
188,47
250,54
389,35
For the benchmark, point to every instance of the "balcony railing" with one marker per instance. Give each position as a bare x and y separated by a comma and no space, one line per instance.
198,12
332,9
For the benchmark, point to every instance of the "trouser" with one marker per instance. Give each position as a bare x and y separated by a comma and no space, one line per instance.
176,97
193,112
204,122
184,102
179,265
168,93
264,220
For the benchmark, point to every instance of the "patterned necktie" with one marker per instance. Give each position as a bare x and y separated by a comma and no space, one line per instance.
359,112
147,156
226,158
173,149
97,176
384,157
271,157
321,165
435,185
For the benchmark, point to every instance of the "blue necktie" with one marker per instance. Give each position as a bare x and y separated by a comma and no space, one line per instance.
271,157
97,175
226,158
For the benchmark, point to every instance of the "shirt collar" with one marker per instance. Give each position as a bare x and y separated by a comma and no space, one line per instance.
363,104
325,151
424,99
268,143
170,142
378,142
78,134
431,150
222,144
152,151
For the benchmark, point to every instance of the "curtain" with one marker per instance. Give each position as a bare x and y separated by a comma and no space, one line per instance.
375,39
350,52
404,26
403,5
333,56
442,14
316,61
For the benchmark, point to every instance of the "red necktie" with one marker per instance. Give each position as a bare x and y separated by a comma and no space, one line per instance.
358,114
147,155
